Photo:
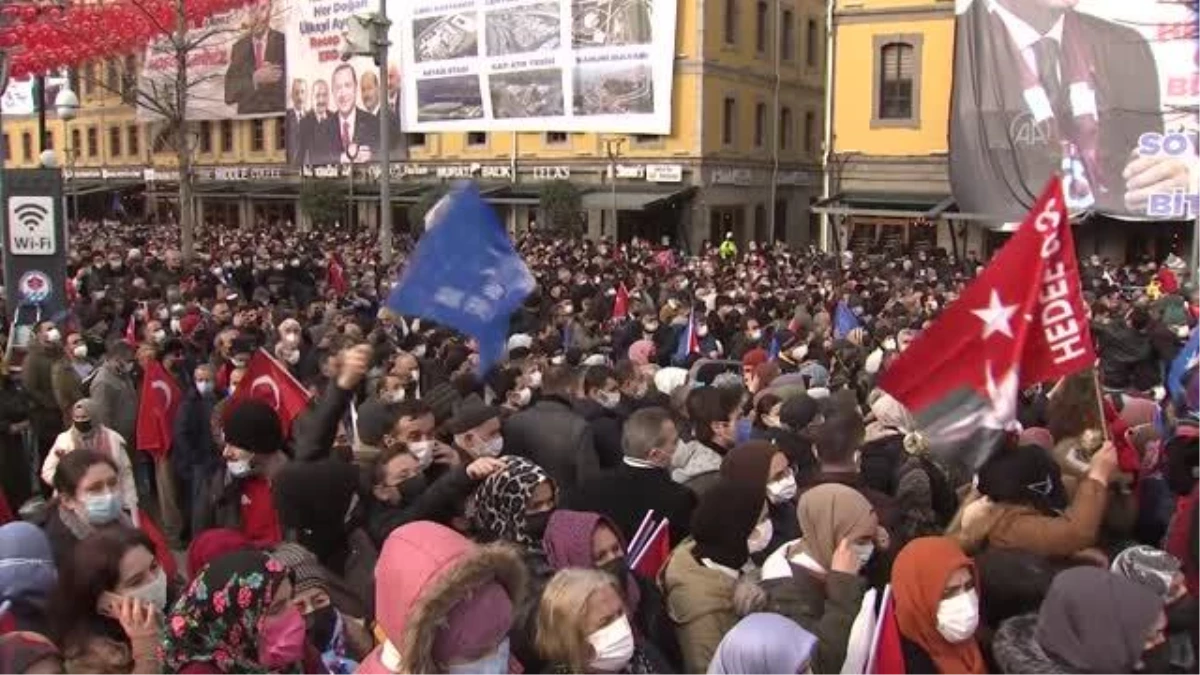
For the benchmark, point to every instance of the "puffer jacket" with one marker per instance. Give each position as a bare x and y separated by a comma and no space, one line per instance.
424,570
700,602
692,459
1016,649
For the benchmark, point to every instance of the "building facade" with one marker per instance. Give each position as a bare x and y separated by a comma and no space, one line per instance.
743,155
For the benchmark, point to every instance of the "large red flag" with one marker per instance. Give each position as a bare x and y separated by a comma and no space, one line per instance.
1020,323
156,409
269,381
621,304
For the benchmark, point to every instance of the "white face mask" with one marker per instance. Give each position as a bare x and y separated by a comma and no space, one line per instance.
80,351
863,551
492,448
53,335
782,490
756,334
492,664
958,617
159,335
394,396
613,645
535,378
153,591
761,536
423,451
419,351
608,399
799,353
204,387
238,467
524,396
771,421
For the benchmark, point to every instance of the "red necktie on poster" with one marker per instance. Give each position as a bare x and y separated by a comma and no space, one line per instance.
260,49
345,134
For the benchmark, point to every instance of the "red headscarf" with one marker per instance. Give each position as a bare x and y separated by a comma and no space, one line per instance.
918,579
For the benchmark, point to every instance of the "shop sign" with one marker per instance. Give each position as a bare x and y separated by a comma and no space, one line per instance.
236,173
496,172
551,172
731,176
456,171
81,174
407,170
323,171
628,171
794,178
664,173
151,175
118,174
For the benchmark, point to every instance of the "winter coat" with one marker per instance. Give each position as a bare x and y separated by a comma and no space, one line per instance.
626,493
606,431
68,385
67,442
116,402
1016,649
700,602
693,459
555,437
37,377
1024,527
192,441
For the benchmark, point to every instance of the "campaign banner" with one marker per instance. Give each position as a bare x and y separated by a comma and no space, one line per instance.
1101,91
333,106
236,66
538,65
18,97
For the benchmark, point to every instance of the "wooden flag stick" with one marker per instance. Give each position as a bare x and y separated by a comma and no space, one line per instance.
1100,400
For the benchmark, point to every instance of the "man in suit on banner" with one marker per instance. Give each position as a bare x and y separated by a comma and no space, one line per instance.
1040,87
322,146
297,139
255,79
357,130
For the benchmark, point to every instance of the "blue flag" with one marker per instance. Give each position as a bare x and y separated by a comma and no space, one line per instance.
773,349
688,342
1184,361
465,273
844,321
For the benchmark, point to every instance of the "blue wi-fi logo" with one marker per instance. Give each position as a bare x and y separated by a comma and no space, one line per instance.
31,215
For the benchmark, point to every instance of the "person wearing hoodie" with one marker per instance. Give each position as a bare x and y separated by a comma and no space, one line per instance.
444,603
764,462
714,415
764,643
703,581
553,435
27,577
815,580
599,406
37,378
1162,573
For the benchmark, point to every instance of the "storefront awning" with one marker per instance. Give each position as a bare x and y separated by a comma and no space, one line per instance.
633,200
80,188
523,195
929,206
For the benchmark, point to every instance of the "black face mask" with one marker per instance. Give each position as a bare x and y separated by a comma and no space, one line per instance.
618,568
320,625
84,427
413,488
1182,615
535,523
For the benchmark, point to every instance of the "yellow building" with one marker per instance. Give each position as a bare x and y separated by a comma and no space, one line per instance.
743,154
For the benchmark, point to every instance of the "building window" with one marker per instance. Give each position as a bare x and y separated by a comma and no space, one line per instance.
26,146
93,141
112,78
810,130
416,140
133,144
49,140
812,43
129,80
556,137
896,81
114,141
731,9
647,139
89,78
760,124
787,36
76,142
475,138
73,81
206,136
728,121
785,128
226,135
760,26
7,146
280,134
258,136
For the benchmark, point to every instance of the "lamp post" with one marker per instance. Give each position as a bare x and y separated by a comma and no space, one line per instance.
368,36
612,148
66,104
351,154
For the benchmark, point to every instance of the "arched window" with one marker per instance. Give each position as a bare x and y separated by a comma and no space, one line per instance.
896,73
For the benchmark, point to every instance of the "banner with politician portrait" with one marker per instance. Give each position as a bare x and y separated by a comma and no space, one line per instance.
333,105
236,66
1101,91
538,65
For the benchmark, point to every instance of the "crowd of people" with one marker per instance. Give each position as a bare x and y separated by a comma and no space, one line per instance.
423,517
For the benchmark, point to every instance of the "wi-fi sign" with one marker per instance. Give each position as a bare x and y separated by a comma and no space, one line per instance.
30,226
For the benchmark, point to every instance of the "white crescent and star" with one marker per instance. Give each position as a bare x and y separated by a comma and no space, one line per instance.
269,383
997,317
159,385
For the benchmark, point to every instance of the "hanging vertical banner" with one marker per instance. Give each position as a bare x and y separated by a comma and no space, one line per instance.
537,65
236,66
1101,91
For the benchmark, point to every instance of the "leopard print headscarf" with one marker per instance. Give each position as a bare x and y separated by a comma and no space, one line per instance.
500,500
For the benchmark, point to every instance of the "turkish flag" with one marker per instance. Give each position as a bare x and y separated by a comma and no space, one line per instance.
335,276
157,406
621,304
1021,322
654,554
269,381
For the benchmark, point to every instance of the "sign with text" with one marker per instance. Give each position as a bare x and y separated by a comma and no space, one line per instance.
35,260
538,65
31,226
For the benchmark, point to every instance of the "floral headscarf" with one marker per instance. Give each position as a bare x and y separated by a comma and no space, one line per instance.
501,498
217,619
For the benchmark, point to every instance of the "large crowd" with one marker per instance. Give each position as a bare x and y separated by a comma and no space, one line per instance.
420,516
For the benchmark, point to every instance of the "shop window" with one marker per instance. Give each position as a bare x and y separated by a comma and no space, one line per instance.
258,135
114,141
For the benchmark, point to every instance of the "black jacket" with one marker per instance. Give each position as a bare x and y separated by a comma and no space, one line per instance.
625,494
440,502
606,430
555,437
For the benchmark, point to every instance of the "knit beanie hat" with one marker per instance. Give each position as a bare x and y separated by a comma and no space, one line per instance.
305,568
475,623
253,426
442,398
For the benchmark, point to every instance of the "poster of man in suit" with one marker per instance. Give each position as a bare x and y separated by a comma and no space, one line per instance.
1088,88
256,79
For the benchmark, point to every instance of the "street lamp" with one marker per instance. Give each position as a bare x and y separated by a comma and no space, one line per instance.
368,36
612,147
66,104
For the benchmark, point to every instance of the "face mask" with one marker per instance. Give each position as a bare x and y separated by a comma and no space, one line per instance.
321,625
756,334
394,396
617,568
292,357
204,388
761,536
102,509
702,331
799,353
423,451
492,664
608,399
782,490
535,378
153,592
411,489
80,351
419,351
238,467
650,327
863,552
84,427
53,335
281,639
958,617
771,421
535,523
613,645
492,448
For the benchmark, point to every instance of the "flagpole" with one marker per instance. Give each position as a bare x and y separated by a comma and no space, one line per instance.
1100,400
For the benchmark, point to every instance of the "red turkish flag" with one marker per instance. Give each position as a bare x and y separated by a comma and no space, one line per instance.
157,406
654,553
335,276
1020,323
621,304
269,381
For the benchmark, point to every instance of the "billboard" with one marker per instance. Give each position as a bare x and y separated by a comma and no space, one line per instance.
18,98
1102,91
236,65
333,106
538,65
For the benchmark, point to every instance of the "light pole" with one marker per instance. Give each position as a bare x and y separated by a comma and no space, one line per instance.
351,154
66,104
612,148
368,36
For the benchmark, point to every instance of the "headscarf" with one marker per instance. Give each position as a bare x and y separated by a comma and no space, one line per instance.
501,498
641,351
724,518
95,440
217,620
212,544
749,462
21,649
667,380
1096,621
892,414
1039,436
568,543
827,514
763,643
1149,567
918,579
1026,476
27,571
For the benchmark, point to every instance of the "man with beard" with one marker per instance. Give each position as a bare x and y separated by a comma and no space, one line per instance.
45,417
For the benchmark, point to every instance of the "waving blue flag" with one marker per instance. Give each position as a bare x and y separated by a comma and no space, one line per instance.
844,321
465,273
1184,361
